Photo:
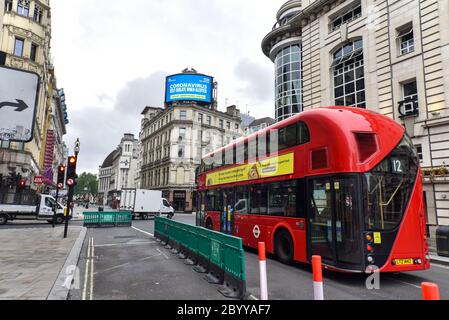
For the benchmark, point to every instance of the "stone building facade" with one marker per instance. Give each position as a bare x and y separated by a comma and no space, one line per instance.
118,171
25,34
390,56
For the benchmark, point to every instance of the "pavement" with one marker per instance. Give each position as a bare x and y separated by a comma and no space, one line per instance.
35,263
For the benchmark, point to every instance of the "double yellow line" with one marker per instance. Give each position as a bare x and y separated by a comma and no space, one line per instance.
89,271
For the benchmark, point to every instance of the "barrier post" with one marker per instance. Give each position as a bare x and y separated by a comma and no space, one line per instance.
430,291
318,289
263,271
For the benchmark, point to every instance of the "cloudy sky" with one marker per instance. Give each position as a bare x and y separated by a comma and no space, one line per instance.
112,56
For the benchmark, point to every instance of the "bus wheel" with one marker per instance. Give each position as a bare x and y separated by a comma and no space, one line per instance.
209,224
284,246
3,219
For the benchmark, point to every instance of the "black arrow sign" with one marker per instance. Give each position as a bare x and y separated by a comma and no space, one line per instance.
20,105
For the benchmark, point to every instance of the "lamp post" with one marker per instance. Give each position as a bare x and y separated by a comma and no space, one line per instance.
71,190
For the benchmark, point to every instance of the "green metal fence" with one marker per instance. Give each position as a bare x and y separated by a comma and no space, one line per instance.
220,255
107,219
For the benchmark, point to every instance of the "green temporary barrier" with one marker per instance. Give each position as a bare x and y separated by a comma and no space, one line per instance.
219,255
107,219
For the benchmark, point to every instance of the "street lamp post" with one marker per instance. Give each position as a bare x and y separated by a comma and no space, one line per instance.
71,192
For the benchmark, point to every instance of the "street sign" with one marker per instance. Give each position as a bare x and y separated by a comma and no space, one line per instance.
38,180
18,103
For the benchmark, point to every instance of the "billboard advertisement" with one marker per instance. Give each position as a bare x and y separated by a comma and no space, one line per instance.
189,87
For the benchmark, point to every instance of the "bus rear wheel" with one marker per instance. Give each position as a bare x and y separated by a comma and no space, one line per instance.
284,246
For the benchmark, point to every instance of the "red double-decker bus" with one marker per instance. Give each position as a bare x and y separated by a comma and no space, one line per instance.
342,183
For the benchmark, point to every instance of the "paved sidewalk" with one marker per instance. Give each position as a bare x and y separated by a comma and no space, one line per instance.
31,262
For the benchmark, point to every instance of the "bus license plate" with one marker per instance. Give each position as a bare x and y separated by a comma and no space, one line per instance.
404,262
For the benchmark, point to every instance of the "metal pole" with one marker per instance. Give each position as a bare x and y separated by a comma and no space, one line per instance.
69,205
55,209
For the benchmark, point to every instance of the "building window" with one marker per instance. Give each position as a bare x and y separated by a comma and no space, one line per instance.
221,124
38,13
8,5
346,17
183,115
181,151
209,120
288,82
409,106
420,153
406,39
200,118
4,144
237,127
182,134
228,125
23,7
18,47
349,75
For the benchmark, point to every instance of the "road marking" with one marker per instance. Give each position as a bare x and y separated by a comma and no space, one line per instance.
403,282
86,272
124,244
92,271
116,267
147,233
166,257
150,257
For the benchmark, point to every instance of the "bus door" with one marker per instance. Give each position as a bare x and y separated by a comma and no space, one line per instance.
227,212
334,218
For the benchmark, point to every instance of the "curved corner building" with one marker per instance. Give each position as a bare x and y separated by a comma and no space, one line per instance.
283,46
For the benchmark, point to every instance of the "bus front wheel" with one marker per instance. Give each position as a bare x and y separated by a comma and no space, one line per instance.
284,246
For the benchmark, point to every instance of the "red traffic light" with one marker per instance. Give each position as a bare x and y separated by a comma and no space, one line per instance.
61,168
22,183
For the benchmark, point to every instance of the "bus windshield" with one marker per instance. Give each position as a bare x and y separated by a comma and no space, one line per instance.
389,186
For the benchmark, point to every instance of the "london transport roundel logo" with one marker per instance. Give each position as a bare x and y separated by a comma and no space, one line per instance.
256,232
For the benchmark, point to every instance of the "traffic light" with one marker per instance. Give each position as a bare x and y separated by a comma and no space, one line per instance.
71,171
61,176
21,185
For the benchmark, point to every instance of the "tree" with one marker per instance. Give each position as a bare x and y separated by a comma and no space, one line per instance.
86,181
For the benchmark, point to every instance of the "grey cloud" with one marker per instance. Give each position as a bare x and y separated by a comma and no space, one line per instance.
141,92
258,80
100,130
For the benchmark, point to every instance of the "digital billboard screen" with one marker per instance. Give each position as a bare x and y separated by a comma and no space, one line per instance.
189,87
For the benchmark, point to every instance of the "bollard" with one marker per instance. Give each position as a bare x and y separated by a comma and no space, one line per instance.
263,272
430,291
318,289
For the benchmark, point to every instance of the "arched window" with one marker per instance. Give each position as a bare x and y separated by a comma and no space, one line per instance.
349,75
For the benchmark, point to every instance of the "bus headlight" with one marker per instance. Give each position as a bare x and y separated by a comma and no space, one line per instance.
370,259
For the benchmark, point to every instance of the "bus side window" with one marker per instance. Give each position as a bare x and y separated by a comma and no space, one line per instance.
303,133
